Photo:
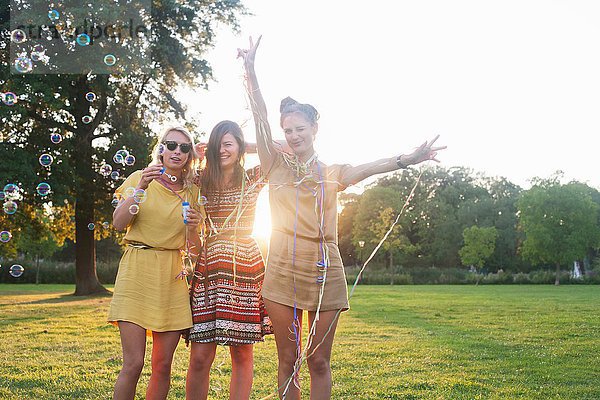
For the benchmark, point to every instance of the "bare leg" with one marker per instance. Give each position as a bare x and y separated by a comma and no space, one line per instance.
282,318
163,348
242,371
202,356
319,363
133,343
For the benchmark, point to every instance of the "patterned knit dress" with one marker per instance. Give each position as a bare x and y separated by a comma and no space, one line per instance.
225,293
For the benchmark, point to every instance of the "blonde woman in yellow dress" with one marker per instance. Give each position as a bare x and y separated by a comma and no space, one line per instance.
151,294
304,268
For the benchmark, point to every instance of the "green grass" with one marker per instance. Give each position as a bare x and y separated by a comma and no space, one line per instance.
401,342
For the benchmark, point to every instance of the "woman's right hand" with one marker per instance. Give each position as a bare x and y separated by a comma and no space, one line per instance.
249,54
149,174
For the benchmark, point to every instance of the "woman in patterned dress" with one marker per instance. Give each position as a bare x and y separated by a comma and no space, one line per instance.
304,269
227,306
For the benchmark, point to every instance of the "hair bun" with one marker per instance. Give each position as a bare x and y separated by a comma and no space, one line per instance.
287,102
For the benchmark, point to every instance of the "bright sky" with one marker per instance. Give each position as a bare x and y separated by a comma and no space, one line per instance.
512,87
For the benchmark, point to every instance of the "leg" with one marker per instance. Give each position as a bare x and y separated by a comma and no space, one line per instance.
163,348
133,342
242,371
282,318
202,356
319,362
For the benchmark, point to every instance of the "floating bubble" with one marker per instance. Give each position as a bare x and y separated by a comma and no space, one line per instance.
36,56
130,159
9,98
161,149
86,119
23,65
91,226
90,96
105,225
2,196
129,192
16,270
134,209
202,200
43,189
10,207
83,39
114,175
56,138
120,156
140,196
46,159
110,60
106,169
38,48
115,203
53,15
18,36
11,191
5,236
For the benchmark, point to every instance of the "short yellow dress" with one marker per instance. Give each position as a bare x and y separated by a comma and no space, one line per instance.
149,290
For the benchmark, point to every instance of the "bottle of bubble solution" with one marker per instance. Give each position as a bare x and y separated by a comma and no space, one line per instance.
185,207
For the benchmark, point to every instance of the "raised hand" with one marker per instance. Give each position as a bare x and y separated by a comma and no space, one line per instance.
425,152
249,54
149,174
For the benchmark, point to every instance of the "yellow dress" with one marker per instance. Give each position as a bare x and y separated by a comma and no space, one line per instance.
148,291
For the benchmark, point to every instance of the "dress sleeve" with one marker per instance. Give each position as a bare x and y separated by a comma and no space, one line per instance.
337,173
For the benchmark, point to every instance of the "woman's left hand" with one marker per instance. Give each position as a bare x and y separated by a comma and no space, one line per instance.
193,218
425,152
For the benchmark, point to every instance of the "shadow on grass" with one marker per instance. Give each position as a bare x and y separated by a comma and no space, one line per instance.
64,298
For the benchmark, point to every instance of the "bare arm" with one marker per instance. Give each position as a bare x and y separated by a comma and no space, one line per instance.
423,153
264,141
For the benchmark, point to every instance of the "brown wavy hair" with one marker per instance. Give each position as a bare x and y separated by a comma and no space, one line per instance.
211,177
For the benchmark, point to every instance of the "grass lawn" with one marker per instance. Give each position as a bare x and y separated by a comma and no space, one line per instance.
401,342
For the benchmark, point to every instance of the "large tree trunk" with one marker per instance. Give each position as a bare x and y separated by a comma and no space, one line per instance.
86,280
557,279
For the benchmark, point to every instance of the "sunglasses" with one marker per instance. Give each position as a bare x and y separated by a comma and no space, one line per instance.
172,145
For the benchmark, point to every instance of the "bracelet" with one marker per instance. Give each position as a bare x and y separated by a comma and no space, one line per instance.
399,163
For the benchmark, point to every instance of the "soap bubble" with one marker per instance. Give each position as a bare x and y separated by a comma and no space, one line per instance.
90,96
56,138
23,65
202,200
105,169
9,98
35,56
130,159
134,209
46,159
10,207
5,236
11,191
110,60
16,270
129,192
140,196
105,225
18,36
53,15
91,226
2,196
161,149
86,119
43,189
120,156
115,175
83,39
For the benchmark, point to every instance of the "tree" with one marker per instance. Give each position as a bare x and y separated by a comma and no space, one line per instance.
560,223
120,115
479,245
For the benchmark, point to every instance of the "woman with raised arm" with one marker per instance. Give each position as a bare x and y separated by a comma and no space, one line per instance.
227,307
304,269
151,293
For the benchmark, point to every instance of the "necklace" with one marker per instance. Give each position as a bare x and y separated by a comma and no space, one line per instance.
172,178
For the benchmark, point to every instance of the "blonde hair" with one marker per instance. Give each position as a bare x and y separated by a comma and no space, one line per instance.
188,172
